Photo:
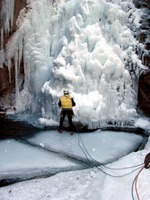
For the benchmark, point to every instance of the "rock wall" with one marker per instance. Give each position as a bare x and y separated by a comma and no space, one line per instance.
143,35
144,94
6,86
142,3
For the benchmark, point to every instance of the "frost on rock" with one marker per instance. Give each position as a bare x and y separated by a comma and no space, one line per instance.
84,46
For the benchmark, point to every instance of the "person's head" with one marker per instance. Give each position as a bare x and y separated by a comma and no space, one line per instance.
66,92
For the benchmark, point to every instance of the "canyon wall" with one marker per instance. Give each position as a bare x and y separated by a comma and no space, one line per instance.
7,87
143,35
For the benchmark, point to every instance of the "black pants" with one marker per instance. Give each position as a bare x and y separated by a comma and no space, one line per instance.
69,113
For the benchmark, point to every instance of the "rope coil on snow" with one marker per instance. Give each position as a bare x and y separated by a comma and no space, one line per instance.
86,153
145,165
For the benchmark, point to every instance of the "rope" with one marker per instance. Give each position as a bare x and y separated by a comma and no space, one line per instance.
119,176
135,183
87,153
84,150
132,189
136,179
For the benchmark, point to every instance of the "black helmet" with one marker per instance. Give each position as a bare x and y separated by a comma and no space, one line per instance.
66,92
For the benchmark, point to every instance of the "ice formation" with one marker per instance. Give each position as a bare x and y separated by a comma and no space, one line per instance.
7,14
86,46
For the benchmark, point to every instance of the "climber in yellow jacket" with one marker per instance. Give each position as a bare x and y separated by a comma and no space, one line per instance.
66,103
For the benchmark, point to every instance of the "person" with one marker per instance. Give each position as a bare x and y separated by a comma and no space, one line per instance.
66,103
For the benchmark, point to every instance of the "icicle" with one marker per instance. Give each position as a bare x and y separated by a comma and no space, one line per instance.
26,62
12,13
1,58
8,12
2,38
9,69
16,81
20,51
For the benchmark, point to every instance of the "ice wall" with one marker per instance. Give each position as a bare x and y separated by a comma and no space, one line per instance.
6,14
6,24
86,46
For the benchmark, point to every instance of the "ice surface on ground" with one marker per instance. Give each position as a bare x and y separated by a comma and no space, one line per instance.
16,157
86,184
85,46
101,145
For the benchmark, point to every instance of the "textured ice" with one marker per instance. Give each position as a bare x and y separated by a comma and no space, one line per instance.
85,46
17,158
52,152
101,145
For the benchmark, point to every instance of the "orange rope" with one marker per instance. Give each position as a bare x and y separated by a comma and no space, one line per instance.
136,179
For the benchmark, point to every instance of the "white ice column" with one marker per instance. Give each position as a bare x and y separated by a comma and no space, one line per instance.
7,18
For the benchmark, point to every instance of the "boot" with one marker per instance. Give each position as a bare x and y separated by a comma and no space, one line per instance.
60,131
71,133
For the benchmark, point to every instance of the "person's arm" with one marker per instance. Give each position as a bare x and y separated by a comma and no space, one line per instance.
73,102
59,103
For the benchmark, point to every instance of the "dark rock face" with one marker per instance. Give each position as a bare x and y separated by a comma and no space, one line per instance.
142,3
144,94
7,86
143,37
19,4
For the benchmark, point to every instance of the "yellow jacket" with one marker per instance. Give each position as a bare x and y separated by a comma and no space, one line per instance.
66,102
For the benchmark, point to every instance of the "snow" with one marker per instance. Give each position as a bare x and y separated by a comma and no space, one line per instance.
142,123
87,184
47,122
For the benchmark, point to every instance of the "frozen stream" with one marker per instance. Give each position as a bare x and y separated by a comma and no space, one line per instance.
48,152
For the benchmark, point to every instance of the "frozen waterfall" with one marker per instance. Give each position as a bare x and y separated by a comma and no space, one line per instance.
86,46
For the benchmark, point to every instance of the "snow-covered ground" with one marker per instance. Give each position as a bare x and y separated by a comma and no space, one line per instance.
86,184
96,183
87,47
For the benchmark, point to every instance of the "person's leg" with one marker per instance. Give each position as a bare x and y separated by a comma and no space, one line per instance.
69,115
62,117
